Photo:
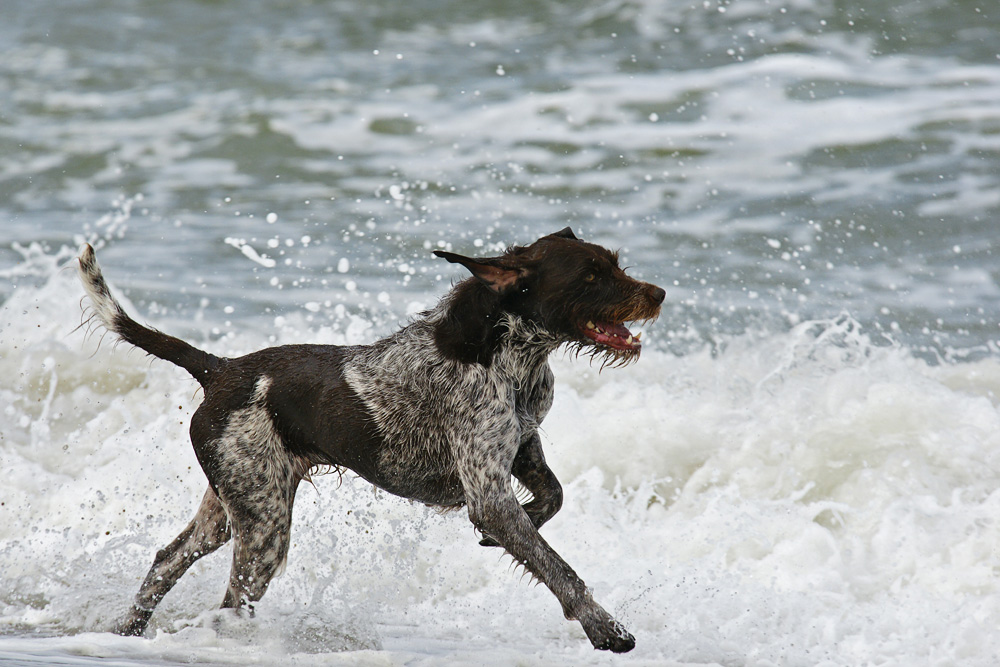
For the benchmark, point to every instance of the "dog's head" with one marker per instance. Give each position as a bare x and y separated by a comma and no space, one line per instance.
574,290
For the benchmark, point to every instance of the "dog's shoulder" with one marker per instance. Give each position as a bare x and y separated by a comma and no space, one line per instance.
409,363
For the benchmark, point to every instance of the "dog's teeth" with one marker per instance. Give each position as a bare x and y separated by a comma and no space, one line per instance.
629,340
638,336
591,325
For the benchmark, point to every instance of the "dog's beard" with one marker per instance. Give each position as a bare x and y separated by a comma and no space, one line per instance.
608,357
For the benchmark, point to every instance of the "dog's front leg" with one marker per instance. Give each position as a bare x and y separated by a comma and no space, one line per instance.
530,469
495,511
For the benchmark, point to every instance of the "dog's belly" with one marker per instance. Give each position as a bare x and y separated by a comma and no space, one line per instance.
416,467
423,484
403,471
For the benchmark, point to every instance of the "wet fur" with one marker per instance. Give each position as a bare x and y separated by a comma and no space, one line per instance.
444,411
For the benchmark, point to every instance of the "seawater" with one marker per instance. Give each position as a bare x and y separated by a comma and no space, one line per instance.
801,469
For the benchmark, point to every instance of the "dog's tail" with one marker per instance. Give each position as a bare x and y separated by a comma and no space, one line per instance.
109,313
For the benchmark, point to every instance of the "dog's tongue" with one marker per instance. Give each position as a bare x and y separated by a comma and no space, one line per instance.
616,336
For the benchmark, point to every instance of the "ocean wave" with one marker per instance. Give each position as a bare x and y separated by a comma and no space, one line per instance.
792,495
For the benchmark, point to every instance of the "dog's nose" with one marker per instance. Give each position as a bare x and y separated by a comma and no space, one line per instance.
658,294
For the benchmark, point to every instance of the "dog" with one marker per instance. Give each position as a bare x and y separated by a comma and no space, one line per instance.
444,411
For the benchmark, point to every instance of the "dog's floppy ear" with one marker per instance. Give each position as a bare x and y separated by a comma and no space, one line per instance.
565,233
487,269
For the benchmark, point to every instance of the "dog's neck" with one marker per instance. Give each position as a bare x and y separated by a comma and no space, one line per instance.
472,326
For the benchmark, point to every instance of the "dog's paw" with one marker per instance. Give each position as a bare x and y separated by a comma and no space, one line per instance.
134,624
128,628
605,633
615,639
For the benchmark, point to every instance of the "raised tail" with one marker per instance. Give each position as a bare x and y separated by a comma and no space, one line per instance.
109,313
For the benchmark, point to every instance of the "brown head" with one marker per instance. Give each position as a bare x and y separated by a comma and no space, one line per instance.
574,290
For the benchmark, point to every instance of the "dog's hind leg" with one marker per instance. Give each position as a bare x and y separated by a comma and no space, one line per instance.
262,522
255,475
208,530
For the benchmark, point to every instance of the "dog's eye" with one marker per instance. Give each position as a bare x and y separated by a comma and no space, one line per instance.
590,277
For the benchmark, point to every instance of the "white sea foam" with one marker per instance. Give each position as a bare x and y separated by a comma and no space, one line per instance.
799,497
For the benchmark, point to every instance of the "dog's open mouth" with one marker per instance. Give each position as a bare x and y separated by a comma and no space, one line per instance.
615,336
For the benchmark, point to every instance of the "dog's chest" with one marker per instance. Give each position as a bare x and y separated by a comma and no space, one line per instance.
429,410
533,394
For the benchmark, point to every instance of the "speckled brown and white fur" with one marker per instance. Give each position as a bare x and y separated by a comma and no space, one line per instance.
444,411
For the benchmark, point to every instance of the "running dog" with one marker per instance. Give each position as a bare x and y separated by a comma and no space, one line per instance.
444,412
